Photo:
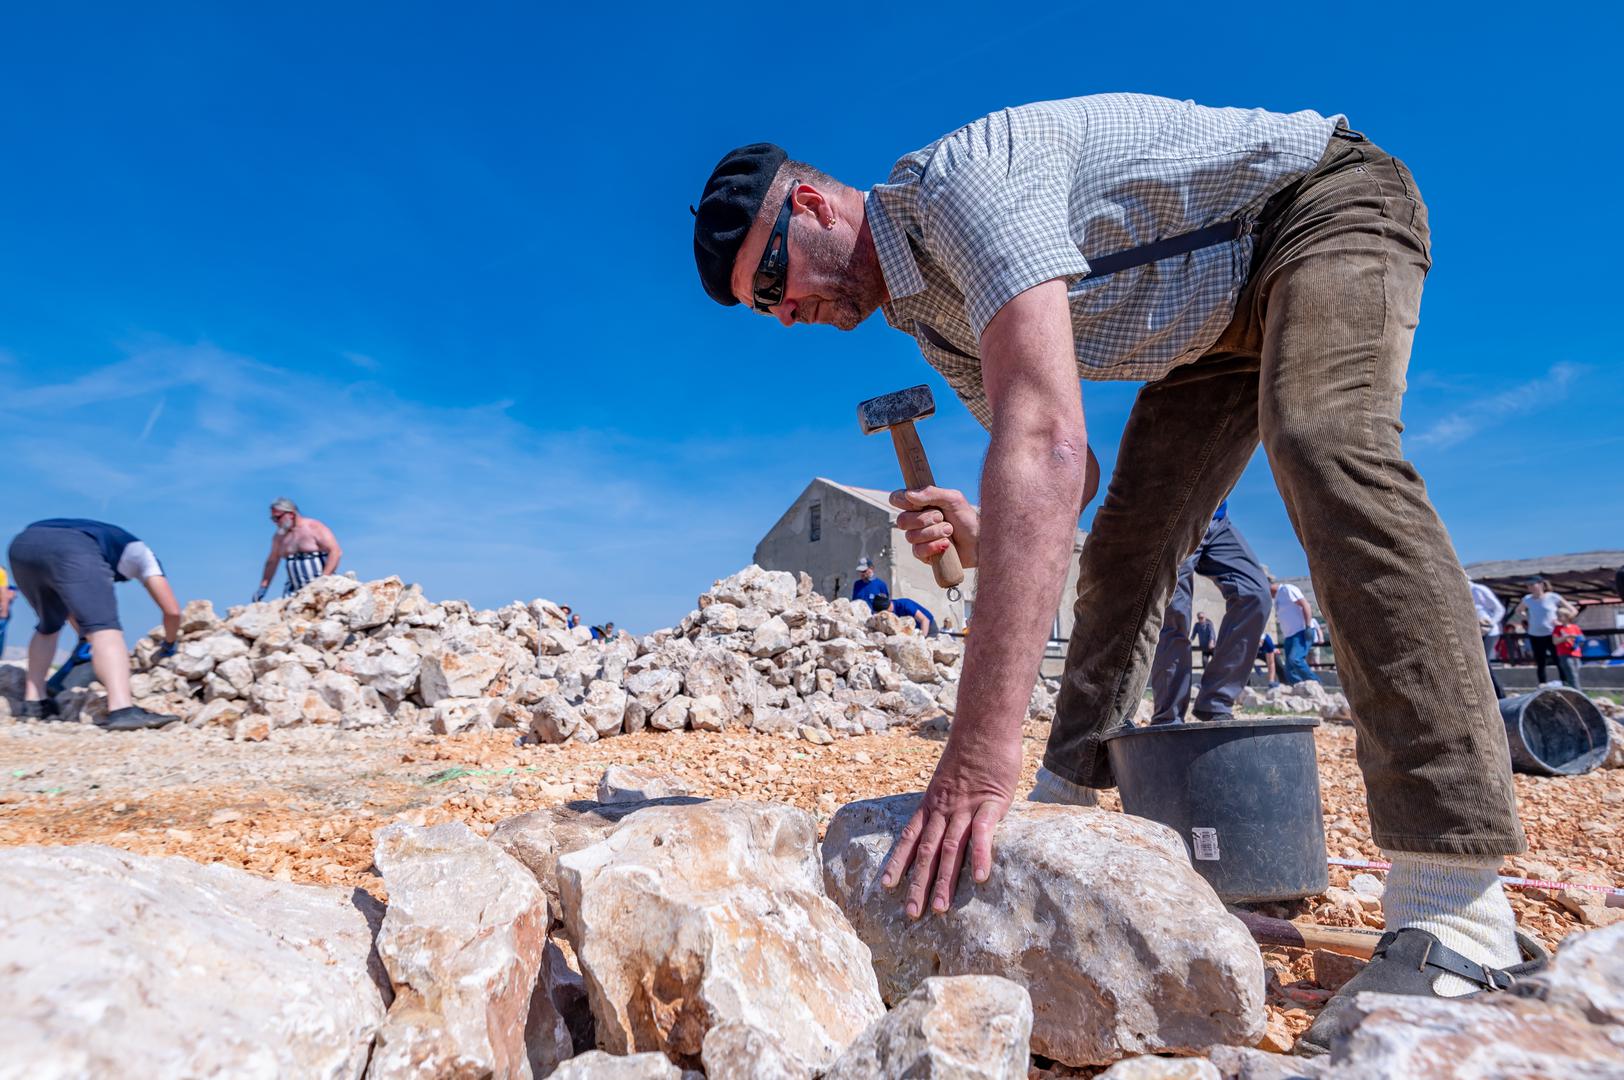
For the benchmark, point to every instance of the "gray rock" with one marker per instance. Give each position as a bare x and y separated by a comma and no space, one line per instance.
597,1065
1149,1067
673,715
654,687
1586,977
961,1027
912,656
553,719
454,674
1495,1038
770,638
451,715
604,707
1246,1063
463,941
772,590
689,916
630,784
129,965
737,1051
1123,947
707,713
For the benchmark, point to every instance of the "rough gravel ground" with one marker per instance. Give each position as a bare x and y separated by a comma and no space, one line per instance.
303,805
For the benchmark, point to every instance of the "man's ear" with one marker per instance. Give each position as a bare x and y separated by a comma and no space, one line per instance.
804,198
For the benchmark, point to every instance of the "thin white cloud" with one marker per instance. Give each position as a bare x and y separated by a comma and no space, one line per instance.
1467,419
152,419
469,501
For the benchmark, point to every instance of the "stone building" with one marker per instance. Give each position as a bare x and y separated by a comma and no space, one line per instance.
830,526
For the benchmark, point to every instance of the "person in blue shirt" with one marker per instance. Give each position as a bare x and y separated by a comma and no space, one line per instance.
66,568
908,609
868,584
1265,653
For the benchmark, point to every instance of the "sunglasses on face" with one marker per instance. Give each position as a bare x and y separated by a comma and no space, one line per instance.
768,285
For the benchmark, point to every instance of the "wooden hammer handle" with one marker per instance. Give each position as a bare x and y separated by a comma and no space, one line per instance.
1338,939
916,474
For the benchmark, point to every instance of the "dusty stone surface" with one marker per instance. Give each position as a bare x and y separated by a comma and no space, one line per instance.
1566,1022
1480,1040
304,804
736,1051
462,942
962,1027
1586,977
1123,947
125,965
540,838
597,1065
628,784
685,917
1150,1067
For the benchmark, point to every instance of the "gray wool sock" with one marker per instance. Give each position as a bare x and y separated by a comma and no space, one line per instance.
1055,789
1458,900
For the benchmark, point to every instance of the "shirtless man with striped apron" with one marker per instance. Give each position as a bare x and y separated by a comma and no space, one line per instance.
307,546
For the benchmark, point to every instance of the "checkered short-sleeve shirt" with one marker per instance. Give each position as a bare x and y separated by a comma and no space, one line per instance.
1030,194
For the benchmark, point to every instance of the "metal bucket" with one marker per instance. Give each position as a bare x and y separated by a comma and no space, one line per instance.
1554,732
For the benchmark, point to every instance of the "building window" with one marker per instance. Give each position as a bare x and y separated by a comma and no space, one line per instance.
814,527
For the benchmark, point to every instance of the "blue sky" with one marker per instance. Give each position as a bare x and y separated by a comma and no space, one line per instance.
427,269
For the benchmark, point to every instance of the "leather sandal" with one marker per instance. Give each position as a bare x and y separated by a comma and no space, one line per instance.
1407,961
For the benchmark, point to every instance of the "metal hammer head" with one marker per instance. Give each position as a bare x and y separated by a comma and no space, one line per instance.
899,407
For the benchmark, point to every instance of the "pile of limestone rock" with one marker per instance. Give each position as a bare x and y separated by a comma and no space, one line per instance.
1307,698
672,937
762,650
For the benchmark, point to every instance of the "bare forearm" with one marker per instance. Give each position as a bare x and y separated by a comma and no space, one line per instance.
1030,486
269,571
333,557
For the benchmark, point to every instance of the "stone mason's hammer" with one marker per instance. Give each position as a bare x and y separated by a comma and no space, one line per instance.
898,411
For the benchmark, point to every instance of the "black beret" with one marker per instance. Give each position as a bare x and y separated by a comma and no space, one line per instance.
728,208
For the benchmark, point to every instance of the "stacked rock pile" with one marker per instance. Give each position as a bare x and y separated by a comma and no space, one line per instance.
674,937
1307,698
762,650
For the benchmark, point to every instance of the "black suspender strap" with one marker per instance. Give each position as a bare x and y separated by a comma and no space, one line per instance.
1182,244
942,343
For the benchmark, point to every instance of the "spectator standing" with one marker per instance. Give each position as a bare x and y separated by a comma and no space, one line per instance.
868,584
1203,632
1296,632
1490,611
1569,641
1541,607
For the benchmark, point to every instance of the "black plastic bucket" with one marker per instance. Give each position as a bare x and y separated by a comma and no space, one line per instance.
1244,795
1554,732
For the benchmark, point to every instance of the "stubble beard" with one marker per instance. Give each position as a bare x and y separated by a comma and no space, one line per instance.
853,290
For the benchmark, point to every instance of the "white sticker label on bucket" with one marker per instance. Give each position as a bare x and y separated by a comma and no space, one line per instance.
1205,843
